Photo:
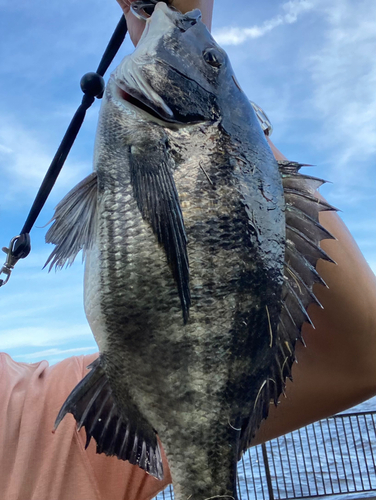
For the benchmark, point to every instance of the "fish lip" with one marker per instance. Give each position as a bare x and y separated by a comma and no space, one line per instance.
138,100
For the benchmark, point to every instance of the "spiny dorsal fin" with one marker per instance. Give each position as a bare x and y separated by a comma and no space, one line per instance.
303,236
158,201
74,223
129,438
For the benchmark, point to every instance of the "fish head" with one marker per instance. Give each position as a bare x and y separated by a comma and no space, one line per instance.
180,75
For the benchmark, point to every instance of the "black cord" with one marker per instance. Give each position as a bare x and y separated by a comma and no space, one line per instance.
113,46
58,162
92,85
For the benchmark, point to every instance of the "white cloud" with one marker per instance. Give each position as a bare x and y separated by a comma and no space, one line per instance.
236,36
343,73
40,309
42,336
368,225
24,160
4,149
21,153
29,304
57,352
37,258
38,299
294,8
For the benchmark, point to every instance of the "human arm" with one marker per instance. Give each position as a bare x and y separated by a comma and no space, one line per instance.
337,369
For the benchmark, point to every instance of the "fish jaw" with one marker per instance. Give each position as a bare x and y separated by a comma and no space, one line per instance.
128,76
173,87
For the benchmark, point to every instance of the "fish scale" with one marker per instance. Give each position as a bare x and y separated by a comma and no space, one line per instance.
189,389
200,260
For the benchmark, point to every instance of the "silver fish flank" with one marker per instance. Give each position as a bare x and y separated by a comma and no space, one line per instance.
200,260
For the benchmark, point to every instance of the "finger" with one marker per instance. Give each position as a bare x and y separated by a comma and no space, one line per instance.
125,5
135,26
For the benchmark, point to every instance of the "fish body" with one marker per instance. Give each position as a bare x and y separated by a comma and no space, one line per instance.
185,277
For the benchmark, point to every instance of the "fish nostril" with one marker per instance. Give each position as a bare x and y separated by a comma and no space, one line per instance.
185,24
188,20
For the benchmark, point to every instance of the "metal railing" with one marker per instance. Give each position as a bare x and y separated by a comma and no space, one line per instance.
334,456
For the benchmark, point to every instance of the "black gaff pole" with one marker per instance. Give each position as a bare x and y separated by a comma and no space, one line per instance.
92,85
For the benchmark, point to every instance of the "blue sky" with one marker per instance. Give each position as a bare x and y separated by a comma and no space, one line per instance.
309,63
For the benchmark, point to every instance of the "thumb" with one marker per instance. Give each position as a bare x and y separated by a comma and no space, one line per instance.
125,5
135,26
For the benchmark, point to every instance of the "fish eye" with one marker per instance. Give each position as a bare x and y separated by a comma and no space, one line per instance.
213,57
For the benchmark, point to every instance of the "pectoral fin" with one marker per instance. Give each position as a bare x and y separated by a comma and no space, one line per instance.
158,201
129,438
74,223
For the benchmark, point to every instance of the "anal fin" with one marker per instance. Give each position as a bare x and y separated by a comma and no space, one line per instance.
129,437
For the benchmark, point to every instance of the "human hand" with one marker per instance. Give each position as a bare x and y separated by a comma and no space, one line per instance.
136,26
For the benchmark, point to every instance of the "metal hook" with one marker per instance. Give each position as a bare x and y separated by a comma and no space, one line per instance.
138,8
143,9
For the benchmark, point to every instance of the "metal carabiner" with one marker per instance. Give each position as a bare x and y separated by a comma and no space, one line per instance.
143,9
19,248
10,261
5,270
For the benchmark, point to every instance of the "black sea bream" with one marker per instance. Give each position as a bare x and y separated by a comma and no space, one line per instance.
200,260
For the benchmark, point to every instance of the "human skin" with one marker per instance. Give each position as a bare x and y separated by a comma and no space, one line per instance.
337,369
136,26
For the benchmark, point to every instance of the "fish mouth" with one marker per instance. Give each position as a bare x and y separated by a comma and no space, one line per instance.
147,82
158,110
141,102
